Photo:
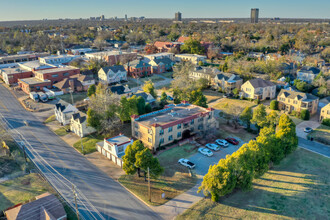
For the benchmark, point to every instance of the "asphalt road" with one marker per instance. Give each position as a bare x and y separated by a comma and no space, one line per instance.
99,196
314,147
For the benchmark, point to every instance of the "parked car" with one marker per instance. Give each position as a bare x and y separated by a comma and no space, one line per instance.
308,130
214,147
232,141
205,151
222,142
186,163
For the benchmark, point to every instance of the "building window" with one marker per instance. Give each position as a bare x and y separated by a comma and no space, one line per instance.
55,75
161,132
136,133
149,140
200,119
179,126
191,129
170,129
136,126
170,137
179,134
65,74
192,122
200,127
248,89
295,102
120,149
149,131
161,140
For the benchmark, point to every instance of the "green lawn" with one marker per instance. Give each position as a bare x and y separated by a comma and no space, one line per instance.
227,105
321,134
50,119
296,189
131,83
77,97
62,130
174,181
212,96
89,144
153,78
167,74
296,120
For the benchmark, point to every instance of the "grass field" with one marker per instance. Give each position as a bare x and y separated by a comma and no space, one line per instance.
212,96
132,83
321,134
153,78
296,189
50,119
77,97
174,181
62,130
89,144
167,74
226,105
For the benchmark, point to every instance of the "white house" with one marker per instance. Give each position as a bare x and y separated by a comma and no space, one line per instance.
307,73
193,58
114,148
78,125
113,74
64,111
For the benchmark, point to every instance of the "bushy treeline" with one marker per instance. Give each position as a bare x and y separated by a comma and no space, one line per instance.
252,160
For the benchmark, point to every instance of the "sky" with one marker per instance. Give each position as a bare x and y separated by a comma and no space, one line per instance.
54,9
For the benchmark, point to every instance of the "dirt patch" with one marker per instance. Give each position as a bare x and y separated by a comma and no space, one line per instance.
26,181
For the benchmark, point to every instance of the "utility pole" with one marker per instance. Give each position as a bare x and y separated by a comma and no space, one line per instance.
75,200
149,189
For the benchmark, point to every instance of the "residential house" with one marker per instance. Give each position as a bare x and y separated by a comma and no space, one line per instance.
78,125
227,82
76,83
258,89
288,68
148,98
138,68
113,74
207,73
114,148
64,111
166,46
45,207
193,58
325,112
307,73
289,100
161,65
119,89
173,123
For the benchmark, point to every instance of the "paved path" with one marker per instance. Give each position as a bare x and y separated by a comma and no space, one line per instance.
99,196
315,147
300,128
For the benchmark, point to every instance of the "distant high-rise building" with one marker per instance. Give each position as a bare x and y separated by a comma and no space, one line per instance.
102,18
126,18
178,16
254,15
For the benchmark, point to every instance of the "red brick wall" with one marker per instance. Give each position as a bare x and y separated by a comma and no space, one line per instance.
60,76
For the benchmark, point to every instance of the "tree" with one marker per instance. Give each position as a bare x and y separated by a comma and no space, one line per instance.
287,134
150,49
141,104
148,87
133,105
200,63
193,46
124,113
304,114
272,119
91,90
246,116
163,99
203,83
93,119
274,105
129,158
145,160
148,108
326,122
259,116
197,98
235,91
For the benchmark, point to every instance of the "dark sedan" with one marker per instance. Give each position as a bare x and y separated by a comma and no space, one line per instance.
232,141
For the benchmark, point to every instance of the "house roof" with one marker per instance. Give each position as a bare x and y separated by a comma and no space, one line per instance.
119,140
137,64
227,76
164,60
297,95
65,83
45,204
260,83
119,90
146,96
163,44
114,69
79,116
182,39
310,70
65,107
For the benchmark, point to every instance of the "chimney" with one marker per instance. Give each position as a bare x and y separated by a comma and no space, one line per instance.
71,84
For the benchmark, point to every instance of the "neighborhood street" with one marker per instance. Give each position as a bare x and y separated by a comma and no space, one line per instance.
98,196
315,147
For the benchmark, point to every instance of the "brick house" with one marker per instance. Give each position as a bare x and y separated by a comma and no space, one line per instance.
166,46
76,83
175,122
138,68
289,100
258,89
161,65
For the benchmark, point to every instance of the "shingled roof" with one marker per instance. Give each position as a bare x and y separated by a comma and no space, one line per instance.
310,70
260,83
297,95
114,69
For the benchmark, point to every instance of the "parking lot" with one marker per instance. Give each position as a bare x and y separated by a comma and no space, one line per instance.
203,162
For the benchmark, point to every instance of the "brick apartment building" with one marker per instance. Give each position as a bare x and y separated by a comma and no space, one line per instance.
138,68
175,122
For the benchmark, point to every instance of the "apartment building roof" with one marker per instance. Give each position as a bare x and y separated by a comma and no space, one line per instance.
118,140
34,80
297,95
15,70
55,70
172,115
260,83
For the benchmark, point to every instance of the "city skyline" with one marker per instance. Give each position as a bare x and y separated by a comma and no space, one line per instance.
37,9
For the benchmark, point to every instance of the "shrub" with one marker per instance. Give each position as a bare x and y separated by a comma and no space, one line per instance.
257,101
304,114
274,105
294,113
326,122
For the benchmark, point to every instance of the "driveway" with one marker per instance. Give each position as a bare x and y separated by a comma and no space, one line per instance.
203,162
300,128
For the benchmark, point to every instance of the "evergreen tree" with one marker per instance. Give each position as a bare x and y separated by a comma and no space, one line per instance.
141,104
91,90
246,116
259,116
129,158
144,159
287,134
124,112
